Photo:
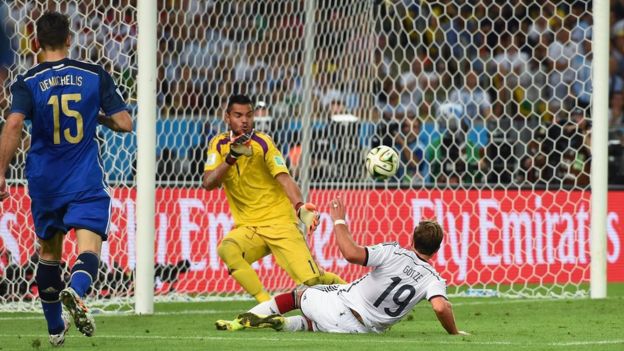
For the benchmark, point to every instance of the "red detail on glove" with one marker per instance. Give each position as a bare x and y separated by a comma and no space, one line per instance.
230,160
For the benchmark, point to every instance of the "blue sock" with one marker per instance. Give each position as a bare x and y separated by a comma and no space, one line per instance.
49,283
84,272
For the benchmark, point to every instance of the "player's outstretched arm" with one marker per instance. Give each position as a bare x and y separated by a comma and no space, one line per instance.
305,211
351,251
444,311
9,141
119,122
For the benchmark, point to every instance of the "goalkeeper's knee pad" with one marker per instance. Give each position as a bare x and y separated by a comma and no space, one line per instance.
313,281
326,278
231,254
329,278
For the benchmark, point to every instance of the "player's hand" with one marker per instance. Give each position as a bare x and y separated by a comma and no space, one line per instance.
337,209
308,214
3,189
240,145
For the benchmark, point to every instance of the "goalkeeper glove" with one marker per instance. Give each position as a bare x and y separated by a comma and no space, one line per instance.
308,215
239,146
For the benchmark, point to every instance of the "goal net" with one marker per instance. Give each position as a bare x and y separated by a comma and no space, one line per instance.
489,107
487,104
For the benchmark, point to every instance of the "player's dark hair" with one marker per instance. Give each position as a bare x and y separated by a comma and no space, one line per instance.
52,30
428,236
239,99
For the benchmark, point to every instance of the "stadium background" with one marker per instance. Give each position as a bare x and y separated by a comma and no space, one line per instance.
521,71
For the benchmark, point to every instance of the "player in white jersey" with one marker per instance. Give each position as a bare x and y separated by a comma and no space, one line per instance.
399,280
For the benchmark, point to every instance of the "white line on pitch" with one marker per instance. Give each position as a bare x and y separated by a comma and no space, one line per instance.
37,315
584,343
381,340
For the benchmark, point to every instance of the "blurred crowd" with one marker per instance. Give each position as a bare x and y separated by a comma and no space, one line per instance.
468,92
476,92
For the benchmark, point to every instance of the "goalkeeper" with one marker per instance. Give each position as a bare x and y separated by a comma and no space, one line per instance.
265,203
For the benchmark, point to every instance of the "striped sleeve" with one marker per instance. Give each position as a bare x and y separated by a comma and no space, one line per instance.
273,157
214,156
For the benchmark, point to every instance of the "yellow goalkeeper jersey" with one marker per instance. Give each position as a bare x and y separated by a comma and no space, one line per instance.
255,197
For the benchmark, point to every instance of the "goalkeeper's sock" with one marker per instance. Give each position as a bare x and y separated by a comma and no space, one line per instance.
297,323
84,272
262,296
241,270
49,283
329,278
248,279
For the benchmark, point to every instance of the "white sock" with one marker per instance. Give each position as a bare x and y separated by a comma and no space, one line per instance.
265,308
295,323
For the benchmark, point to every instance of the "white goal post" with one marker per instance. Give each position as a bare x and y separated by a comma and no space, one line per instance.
146,160
600,104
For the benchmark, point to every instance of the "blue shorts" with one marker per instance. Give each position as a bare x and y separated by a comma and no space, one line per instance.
90,209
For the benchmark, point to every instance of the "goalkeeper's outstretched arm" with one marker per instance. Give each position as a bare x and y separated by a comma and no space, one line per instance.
290,188
305,211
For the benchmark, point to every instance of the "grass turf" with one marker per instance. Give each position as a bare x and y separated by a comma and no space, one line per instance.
496,324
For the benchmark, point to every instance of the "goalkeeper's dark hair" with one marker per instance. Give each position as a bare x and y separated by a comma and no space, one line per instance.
52,30
239,99
428,236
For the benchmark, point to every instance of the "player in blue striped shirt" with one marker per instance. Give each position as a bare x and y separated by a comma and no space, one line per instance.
62,98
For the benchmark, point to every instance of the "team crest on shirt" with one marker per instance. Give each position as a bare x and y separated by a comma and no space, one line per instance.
212,159
279,160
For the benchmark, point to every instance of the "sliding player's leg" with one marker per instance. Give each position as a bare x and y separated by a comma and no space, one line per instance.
291,252
321,307
89,215
268,314
327,313
279,304
241,247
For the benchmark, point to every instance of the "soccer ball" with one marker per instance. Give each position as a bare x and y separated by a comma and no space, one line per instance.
382,162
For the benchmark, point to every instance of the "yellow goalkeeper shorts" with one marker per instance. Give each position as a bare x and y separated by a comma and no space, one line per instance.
285,242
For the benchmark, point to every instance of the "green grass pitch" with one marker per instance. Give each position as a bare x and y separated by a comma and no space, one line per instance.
496,324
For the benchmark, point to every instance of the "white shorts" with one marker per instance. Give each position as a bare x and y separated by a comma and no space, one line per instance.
321,305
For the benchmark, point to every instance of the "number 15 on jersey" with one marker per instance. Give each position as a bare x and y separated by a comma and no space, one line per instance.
67,112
